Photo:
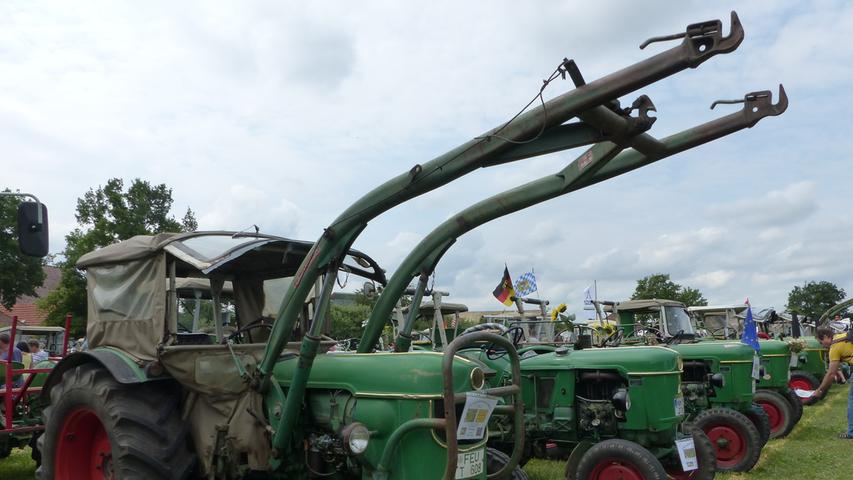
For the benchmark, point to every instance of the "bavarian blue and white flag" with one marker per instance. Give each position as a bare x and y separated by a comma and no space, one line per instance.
750,332
526,284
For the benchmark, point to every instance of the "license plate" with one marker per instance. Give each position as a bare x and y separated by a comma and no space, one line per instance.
687,454
470,464
678,403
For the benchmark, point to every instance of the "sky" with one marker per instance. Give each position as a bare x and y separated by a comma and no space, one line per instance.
282,114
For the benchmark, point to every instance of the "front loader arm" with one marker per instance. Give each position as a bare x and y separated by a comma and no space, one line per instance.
646,150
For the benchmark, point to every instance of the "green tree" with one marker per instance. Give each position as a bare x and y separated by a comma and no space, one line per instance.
660,286
19,274
107,215
814,298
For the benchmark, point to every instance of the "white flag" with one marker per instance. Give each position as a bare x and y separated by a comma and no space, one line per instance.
589,294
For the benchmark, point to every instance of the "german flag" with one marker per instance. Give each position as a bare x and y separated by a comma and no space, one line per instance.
504,291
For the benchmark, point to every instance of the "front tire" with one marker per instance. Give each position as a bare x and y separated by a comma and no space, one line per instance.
96,427
736,441
779,411
761,420
705,455
621,459
496,459
795,404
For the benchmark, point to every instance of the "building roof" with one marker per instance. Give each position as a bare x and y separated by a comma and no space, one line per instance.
25,307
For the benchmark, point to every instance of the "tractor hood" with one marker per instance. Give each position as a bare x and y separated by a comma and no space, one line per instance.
626,360
377,375
720,351
774,347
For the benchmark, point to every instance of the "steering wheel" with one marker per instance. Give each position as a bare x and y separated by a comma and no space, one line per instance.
673,338
262,322
514,334
614,339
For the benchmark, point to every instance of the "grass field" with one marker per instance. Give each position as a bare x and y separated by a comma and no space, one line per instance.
813,450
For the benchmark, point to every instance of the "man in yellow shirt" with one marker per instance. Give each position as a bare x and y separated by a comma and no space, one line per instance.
840,350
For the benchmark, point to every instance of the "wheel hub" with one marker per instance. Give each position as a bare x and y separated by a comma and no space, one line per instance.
729,446
83,451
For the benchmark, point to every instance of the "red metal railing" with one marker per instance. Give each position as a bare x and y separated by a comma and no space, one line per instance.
12,396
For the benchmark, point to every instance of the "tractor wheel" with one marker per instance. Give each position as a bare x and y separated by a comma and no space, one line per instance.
35,453
96,427
761,420
736,441
794,402
705,455
803,380
496,459
779,411
619,459
5,445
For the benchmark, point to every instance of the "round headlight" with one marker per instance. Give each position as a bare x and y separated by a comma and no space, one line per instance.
621,400
356,437
478,378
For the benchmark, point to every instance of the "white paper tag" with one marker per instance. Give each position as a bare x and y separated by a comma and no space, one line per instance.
795,360
469,464
678,403
756,367
475,416
804,393
687,454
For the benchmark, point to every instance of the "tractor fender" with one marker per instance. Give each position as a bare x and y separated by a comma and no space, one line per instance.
122,367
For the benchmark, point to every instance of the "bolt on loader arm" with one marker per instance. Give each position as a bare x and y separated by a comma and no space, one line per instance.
607,162
486,150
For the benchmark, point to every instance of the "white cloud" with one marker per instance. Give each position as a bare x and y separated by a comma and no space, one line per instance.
282,115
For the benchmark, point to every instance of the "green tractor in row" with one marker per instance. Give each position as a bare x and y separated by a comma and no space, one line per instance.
807,358
718,381
774,393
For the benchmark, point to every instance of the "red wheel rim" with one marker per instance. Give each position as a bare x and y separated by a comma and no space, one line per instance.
729,445
613,469
83,448
800,383
775,415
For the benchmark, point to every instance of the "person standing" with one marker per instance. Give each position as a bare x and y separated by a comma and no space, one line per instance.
7,348
840,350
36,351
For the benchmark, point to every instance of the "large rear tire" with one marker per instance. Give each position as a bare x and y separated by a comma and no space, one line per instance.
496,459
779,411
736,441
761,420
620,459
96,427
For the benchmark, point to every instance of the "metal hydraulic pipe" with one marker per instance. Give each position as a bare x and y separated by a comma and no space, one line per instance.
482,151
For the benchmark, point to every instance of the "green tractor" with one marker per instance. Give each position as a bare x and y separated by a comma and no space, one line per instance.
784,408
808,362
718,382
600,409
180,401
